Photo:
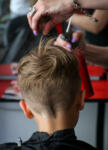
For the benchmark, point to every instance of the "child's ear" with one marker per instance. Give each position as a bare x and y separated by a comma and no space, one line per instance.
25,109
82,99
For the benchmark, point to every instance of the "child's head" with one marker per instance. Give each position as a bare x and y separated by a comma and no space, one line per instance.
49,79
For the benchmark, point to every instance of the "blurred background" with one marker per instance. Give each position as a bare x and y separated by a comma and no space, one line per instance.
17,39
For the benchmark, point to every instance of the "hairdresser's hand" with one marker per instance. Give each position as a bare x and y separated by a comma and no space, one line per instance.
76,37
57,10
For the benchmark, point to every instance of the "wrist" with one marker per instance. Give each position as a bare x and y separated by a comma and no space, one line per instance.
82,3
71,5
67,6
89,49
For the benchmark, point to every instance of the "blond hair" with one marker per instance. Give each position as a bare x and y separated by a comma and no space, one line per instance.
32,2
49,78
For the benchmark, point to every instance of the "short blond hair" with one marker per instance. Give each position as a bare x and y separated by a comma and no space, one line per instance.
49,78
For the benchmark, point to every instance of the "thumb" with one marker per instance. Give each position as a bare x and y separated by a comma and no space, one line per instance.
77,36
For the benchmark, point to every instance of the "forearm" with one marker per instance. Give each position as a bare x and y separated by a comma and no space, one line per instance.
85,23
95,4
97,55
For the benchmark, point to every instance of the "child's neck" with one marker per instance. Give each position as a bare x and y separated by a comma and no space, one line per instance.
61,122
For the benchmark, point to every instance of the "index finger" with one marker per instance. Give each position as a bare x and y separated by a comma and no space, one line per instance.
29,17
35,22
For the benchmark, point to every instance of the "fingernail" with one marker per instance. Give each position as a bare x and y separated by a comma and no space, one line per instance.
69,46
73,40
35,33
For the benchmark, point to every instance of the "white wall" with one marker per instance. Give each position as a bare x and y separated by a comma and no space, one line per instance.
13,124
86,127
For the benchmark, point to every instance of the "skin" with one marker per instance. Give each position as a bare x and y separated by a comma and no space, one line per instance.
87,24
58,11
95,54
62,120
94,4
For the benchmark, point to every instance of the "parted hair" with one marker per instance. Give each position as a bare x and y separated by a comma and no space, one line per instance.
49,78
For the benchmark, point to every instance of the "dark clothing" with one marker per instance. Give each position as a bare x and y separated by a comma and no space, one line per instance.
60,140
100,39
19,39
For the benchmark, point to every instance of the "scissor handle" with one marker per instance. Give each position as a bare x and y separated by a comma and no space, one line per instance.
68,37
